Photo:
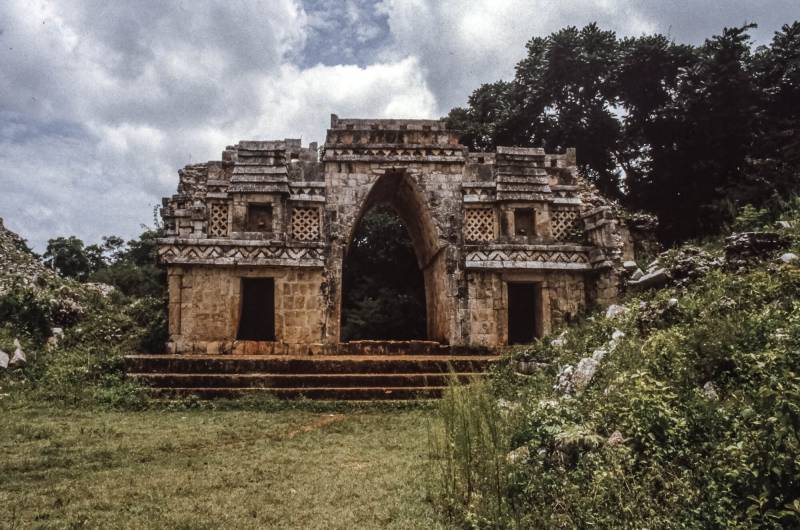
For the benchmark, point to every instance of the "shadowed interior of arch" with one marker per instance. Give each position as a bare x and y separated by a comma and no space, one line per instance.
397,191
383,289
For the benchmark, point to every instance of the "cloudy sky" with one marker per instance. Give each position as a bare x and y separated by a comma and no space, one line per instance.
101,101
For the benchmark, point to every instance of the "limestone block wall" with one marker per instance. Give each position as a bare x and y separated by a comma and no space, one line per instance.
427,196
567,293
487,303
561,296
205,305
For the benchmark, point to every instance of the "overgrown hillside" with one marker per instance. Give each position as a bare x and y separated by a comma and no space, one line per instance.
679,408
72,334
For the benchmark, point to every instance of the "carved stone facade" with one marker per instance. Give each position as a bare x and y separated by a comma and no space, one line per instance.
508,242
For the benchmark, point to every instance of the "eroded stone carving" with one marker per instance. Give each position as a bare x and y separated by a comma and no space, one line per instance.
478,222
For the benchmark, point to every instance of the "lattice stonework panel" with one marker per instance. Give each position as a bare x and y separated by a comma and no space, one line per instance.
218,221
566,225
305,224
479,224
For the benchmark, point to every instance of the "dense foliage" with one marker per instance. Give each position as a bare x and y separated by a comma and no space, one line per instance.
692,419
689,133
130,267
76,328
383,294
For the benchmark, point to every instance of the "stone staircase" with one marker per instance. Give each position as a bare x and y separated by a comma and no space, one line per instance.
354,372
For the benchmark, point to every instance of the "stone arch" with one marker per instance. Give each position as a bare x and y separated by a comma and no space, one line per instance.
398,189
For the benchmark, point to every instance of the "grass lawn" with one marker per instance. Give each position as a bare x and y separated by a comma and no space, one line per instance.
289,468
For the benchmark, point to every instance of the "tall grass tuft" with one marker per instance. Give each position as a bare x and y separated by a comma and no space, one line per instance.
469,444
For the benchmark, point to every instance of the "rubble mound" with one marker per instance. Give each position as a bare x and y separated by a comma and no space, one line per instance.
746,247
682,266
18,265
677,267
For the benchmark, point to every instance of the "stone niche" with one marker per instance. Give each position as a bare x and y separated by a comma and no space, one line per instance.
512,244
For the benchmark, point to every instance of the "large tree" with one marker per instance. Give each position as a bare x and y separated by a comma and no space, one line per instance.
68,257
689,133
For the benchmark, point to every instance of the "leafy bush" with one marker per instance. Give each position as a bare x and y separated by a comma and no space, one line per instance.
692,419
29,314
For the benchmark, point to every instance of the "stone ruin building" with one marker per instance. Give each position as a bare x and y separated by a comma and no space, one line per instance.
510,243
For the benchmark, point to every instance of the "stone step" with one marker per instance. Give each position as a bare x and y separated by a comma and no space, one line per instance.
307,364
288,381
320,393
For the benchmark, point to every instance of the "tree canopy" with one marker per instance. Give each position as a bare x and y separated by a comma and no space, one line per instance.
689,133
130,267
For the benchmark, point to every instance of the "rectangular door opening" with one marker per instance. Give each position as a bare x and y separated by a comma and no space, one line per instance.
257,316
522,299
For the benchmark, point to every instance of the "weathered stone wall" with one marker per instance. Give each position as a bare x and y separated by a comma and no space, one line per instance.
561,296
487,303
206,318
477,221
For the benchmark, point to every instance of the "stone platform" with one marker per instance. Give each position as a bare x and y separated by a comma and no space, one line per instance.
392,374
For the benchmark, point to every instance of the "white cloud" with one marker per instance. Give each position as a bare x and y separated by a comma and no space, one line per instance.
102,105
463,43
101,102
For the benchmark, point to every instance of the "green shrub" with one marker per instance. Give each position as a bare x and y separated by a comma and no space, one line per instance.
692,420
28,314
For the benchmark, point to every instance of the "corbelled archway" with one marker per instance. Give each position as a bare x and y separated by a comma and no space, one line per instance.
397,189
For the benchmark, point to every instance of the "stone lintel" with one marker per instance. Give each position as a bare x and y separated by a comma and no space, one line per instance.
302,197
478,199
521,197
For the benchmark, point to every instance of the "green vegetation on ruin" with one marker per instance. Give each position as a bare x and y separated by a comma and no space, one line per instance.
692,419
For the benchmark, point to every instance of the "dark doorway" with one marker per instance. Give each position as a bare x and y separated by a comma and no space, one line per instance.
383,290
521,312
257,318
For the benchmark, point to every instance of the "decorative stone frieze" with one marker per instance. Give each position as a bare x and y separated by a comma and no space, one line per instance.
481,224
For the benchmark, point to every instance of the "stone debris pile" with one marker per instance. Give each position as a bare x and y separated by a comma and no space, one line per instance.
678,268
574,379
746,247
18,266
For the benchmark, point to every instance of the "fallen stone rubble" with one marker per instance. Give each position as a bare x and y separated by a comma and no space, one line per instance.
683,266
746,247
18,267
574,379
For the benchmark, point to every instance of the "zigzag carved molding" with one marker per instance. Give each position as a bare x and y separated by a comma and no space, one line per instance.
527,259
203,254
